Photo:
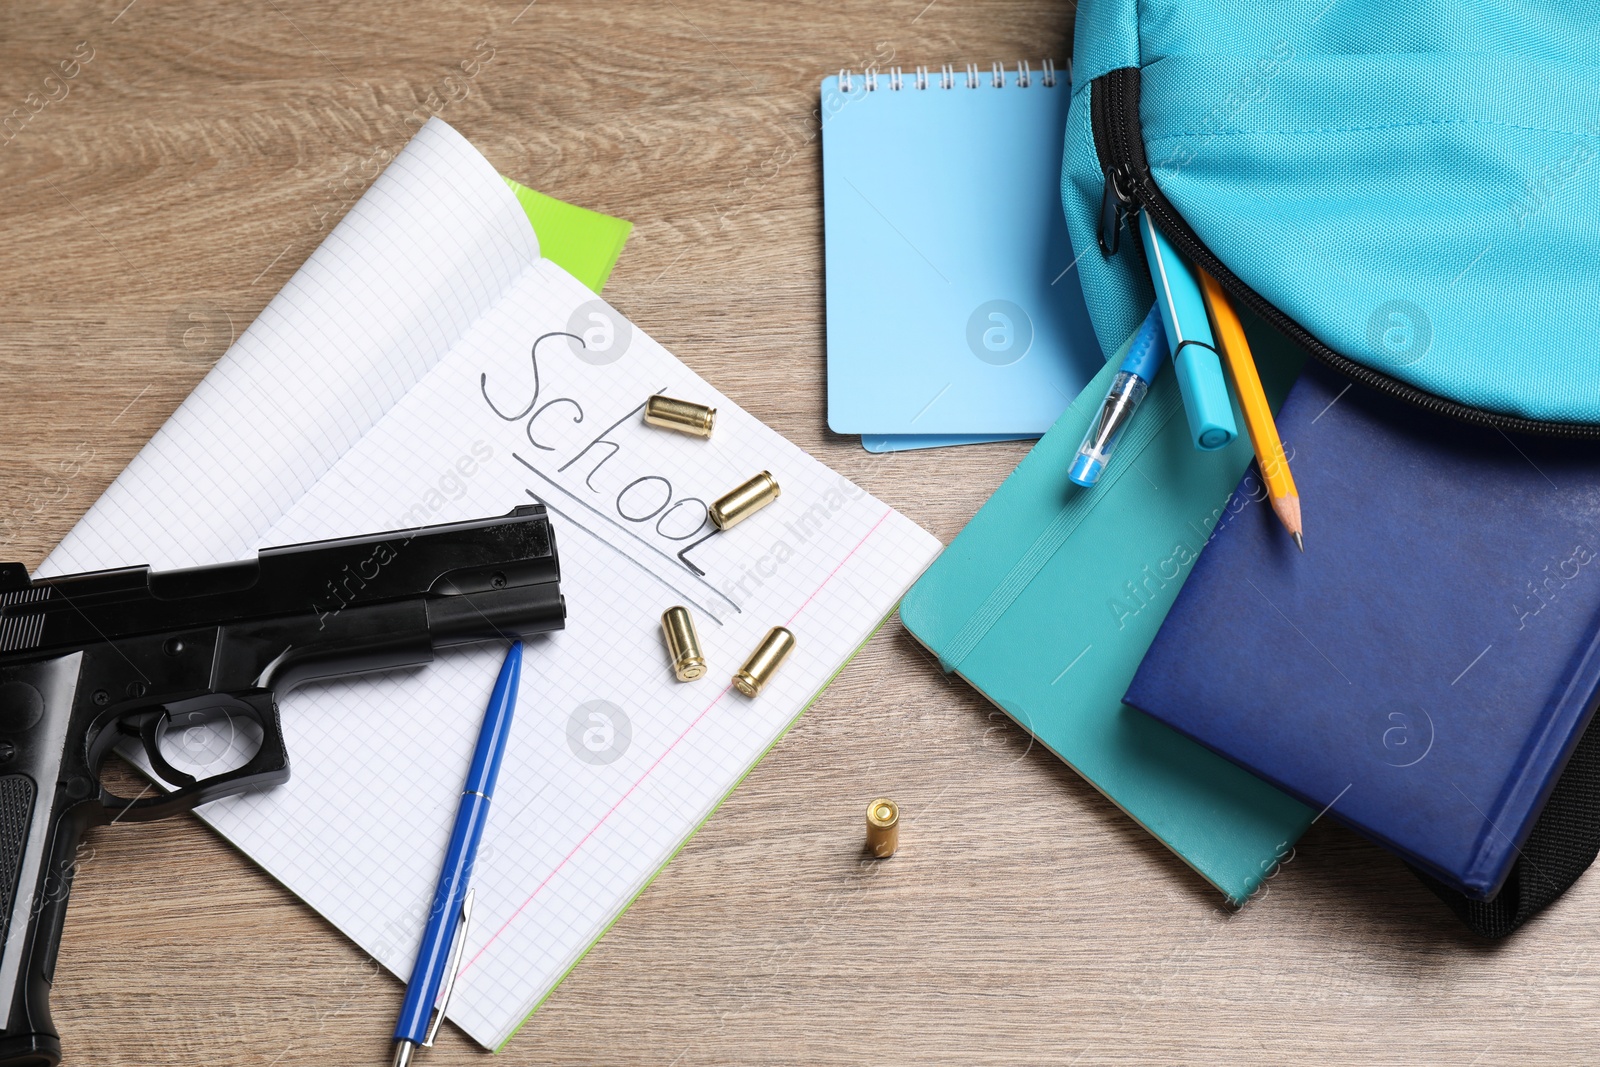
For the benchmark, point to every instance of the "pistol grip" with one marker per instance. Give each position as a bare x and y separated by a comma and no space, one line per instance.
30,1038
45,807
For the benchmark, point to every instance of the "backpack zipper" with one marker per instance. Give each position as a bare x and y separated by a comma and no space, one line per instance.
1130,185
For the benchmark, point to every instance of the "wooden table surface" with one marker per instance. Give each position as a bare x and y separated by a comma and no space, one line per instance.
156,200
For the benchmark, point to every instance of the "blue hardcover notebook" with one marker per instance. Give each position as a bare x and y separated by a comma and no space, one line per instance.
951,305
1049,598
1424,670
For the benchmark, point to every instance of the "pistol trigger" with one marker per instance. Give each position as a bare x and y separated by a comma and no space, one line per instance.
267,766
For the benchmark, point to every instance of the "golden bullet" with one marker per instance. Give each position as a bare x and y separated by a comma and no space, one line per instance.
683,644
685,416
739,504
764,661
883,827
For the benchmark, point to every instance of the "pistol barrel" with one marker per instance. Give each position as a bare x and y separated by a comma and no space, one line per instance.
512,613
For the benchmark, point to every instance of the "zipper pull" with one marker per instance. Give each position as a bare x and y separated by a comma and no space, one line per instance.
1116,205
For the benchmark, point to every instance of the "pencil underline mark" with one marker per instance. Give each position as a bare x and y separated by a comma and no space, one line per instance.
616,525
932,402
1474,662
566,515
1332,402
274,262
896,229
1469,266
1299,631
1332,802
1071,665
132,402
1524,455
576,499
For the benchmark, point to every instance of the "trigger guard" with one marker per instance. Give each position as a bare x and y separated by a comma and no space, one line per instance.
269,766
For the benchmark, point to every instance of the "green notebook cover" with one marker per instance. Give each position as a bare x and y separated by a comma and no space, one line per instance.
581,242
1049,598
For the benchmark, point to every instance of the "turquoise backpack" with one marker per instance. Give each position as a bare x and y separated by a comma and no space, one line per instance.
1407,190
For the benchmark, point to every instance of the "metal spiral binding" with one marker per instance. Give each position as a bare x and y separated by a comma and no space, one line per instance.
947,77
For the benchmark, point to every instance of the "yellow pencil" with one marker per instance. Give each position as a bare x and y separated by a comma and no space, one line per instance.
1270,457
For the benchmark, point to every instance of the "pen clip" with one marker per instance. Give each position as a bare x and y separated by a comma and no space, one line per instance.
452,968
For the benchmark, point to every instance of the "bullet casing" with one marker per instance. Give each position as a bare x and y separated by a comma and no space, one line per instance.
734,507
683,644
883,827
685,416
764,661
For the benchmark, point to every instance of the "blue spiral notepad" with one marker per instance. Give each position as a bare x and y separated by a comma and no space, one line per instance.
952,305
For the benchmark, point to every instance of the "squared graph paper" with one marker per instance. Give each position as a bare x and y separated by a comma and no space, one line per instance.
365,399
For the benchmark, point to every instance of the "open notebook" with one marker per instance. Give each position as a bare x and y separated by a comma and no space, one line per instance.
425,365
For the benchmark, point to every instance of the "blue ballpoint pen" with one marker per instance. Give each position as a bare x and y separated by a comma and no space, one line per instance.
439,956
1133,379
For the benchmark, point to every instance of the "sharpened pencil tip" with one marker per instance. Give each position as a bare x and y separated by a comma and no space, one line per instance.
1299,541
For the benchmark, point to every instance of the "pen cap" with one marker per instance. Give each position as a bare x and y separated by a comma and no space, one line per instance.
1205,397
1194,349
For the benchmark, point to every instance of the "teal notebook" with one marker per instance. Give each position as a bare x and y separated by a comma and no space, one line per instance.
1048,599
952,308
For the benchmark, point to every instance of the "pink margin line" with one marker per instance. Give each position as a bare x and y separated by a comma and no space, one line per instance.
649,770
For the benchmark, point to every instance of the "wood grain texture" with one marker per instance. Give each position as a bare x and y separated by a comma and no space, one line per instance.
196,160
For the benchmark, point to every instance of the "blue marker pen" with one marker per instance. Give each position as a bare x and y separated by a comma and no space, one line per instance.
1194,350
1133,379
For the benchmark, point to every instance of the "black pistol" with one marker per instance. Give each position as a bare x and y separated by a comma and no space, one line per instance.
90,661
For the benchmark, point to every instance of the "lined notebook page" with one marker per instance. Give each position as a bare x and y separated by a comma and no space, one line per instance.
435,241
612,764
392,384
